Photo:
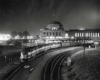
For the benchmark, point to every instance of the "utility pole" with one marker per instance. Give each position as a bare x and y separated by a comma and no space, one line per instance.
83,30
84,45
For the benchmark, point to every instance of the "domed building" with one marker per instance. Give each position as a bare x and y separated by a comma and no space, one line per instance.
55,25
53,31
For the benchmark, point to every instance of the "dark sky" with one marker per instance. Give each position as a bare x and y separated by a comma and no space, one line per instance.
31,15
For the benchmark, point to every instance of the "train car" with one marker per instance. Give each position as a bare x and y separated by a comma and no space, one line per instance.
24,54
29,52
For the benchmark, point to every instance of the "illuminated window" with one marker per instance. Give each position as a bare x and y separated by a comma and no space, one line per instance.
98,34
95,34
54,28
75,34
86,34
82,34
89,35
66,35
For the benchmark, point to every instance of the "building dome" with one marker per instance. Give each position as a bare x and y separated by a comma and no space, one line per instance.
56,22
55,25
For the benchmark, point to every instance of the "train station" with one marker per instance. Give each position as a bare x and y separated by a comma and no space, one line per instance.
55,32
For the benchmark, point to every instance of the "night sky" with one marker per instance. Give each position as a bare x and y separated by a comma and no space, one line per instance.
31,15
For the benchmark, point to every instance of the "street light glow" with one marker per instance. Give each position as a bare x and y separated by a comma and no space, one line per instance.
5,37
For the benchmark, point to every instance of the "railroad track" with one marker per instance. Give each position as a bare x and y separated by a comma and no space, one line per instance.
52,69
10,73
55,61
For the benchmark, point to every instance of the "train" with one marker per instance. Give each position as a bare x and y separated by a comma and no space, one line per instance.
29,52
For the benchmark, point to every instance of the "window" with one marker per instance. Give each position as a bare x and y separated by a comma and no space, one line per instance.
75,34
50,33
53,33
47,33
89,35
82,34
98,34
95,34
86,35
54,28
59,33
66,35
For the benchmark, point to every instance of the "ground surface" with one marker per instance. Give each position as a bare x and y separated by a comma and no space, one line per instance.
9,50
37,64
81,68
37,73
9,55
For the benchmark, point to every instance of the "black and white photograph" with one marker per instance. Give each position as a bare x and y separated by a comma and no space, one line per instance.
49,39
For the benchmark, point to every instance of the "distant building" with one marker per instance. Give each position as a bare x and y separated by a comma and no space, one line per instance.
53,32
56,32
79,35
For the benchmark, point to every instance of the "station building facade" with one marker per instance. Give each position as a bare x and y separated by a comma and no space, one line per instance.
89,35
53,32
56,32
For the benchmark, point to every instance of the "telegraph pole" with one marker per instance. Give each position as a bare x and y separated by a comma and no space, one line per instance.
83,30
84,46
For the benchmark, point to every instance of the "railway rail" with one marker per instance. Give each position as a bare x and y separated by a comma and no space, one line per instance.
56,62
53,66
52,70
10,73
